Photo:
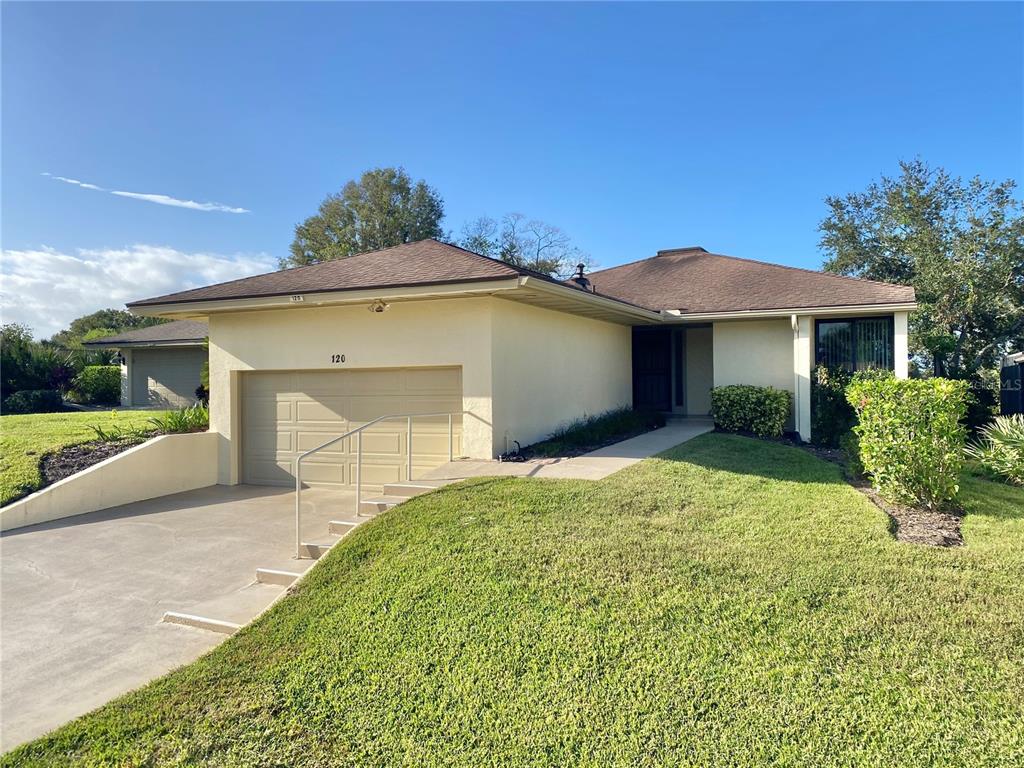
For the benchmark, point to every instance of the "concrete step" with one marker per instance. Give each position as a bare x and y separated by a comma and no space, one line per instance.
342,527
374,506
414,488
275,576
315,549
228,613
201,622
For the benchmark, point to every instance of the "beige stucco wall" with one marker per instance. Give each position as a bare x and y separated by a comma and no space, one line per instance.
161,466
756,352
553,367
524,369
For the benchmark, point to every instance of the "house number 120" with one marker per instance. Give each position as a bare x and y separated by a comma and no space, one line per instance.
337,358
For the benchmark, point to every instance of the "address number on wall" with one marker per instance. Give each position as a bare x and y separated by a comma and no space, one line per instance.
337,358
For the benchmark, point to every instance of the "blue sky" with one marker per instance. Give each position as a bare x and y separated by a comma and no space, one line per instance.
633,127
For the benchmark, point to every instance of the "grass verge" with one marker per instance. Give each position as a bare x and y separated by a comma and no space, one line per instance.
25,439
731,602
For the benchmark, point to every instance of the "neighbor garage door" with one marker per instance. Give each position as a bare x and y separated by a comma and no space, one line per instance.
166,378
287,413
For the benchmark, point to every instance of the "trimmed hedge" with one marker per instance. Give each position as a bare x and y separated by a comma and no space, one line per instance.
34,401
98,385
746,408
910,439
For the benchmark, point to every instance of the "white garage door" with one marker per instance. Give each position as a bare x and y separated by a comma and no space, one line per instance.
166,378
287,413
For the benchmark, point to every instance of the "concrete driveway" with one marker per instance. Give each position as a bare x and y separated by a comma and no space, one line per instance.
81,599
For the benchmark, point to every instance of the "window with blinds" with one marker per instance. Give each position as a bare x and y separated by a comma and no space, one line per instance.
855,345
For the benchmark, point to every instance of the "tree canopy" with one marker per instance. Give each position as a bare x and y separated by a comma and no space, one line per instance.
960,244
382,209
110,321
529,243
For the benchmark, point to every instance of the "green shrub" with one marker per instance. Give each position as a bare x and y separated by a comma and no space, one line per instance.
832,416
910,436
34,401
194,419
1000,448
592,431
98,385
746,408
849,444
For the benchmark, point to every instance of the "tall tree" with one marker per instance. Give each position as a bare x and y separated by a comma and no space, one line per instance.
529,243
960,244
112,320
383,208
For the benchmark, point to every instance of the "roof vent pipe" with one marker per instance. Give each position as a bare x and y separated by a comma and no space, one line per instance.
579,279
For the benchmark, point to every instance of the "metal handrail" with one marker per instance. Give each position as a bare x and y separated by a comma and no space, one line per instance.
358,431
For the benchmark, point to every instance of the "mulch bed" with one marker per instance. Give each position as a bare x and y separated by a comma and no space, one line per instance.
914,525
569,452
67,461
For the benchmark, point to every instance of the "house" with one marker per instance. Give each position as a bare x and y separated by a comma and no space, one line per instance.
301,355
160,365
1011,385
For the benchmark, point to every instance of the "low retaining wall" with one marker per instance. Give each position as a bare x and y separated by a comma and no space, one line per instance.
161,466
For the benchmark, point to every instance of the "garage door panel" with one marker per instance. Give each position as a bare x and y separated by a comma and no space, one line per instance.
263,442
270,385
432,445
319,473
269,472
376,382
310,439
379,444
285,414
377,474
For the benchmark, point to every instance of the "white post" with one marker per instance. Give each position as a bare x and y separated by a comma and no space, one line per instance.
901,345
408,446
451,455
359,469
298,509
802,361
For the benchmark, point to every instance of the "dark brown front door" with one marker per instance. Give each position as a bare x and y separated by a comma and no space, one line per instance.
652,369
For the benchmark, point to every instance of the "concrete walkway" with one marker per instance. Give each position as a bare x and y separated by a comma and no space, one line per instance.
81,599
595,465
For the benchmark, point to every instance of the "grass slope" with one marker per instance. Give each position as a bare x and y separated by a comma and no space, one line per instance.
24,439
730,603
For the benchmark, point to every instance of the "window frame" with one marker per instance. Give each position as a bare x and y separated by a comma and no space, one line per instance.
853,336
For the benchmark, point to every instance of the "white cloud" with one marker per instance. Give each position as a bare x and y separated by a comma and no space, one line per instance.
153,197
47,289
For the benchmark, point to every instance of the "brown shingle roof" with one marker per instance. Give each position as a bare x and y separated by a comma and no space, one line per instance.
165,333
426,262
694,281
687,279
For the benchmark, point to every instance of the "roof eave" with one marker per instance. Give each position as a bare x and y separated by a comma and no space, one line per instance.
818,311
101,344
206,307
598,305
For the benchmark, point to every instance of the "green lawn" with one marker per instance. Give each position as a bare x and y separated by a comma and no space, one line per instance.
729,603
25,439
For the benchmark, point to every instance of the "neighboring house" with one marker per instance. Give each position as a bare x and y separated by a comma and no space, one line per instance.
1011,379
160,365
301,355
